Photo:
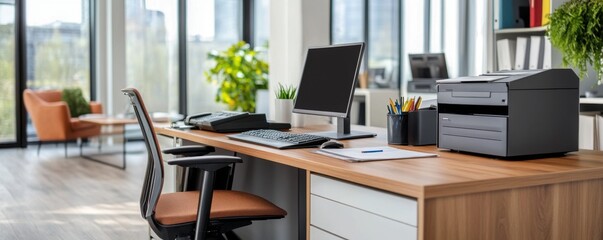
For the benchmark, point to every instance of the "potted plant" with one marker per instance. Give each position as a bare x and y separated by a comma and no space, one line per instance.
576,29
284,103
239,73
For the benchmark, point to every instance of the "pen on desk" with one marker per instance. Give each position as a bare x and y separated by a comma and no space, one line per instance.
372,151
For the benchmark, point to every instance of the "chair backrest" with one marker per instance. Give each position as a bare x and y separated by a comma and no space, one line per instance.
153,181
51,119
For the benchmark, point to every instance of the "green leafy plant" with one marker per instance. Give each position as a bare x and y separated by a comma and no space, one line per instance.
576,29
239,73
75,100
285,92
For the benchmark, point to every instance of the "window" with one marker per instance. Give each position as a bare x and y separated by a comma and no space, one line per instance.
413,40
383,47
8,121
347,21
58,44
393,29
377,21
152,52
261,23
212,25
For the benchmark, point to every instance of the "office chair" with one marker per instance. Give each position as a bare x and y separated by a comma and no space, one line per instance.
207,213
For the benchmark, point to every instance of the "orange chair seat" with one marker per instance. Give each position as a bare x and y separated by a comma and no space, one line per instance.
181,207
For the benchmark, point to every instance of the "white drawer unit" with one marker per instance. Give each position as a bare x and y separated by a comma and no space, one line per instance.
318,234
352,211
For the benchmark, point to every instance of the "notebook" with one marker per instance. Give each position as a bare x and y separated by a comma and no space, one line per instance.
372,153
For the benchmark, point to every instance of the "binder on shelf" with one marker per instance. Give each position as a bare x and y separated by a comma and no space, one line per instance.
521,52
535,52
506,53
546,10
546,56
507,17
535,13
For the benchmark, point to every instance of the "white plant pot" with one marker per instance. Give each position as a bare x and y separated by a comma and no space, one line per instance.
283,109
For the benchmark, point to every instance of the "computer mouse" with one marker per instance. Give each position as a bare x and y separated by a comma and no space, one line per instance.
331,144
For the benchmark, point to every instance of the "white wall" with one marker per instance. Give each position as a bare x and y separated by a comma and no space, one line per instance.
295,25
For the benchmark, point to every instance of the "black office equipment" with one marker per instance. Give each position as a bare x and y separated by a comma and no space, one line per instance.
426,68
327,86
510,113
226,122
278,139
191,214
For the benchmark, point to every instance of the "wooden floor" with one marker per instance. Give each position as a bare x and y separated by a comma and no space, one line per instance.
53,197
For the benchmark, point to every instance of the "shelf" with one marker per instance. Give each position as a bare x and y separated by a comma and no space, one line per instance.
521,30
591,100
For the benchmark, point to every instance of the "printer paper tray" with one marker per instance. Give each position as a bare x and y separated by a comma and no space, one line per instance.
479,134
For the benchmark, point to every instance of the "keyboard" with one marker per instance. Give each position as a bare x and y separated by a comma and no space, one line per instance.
278,139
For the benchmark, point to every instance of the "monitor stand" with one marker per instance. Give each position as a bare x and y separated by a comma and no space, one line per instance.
343,131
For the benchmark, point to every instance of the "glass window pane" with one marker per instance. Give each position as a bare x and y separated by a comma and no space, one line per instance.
451,32
348,21
7,72
414,32
383,45
477,41
261,23
152,52
435,28
58,44
212,25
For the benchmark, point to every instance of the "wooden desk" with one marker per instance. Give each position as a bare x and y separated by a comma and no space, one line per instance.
461,196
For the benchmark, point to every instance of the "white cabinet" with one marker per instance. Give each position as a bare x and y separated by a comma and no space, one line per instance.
591,131
375,102
340,209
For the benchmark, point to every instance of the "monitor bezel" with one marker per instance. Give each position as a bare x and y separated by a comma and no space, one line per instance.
330,113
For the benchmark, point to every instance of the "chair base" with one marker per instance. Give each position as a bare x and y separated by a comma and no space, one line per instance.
217,230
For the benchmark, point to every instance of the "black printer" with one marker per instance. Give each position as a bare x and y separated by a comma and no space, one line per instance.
510,113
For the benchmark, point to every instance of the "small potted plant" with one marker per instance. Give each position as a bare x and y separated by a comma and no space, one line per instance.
575,29
284,103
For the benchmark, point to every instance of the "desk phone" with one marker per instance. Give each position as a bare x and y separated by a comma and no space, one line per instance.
228,121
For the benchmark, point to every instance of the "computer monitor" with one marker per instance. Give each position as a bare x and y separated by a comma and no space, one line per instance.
428,66
327,86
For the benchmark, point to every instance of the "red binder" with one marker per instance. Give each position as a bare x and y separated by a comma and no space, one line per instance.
535,13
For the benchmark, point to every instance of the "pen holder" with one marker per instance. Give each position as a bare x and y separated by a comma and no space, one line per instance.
397,128
422,126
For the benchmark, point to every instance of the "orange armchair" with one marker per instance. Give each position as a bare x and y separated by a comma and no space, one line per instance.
52,120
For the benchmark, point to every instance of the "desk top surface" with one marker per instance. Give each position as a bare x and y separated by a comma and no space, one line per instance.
448,174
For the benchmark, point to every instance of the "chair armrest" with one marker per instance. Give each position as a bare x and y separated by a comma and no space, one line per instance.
189,151
96,107
208,163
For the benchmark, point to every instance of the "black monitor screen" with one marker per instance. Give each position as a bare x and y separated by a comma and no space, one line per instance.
328,80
